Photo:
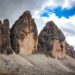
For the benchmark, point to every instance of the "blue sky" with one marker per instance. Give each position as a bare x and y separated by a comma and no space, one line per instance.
62,12
58,12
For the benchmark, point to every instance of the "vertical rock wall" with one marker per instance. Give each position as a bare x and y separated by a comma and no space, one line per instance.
5,45
52,41
24,35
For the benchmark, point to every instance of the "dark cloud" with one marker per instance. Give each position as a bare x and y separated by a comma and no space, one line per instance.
12,9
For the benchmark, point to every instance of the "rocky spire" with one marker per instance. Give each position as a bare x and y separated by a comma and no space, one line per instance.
24,34
52,41
5,45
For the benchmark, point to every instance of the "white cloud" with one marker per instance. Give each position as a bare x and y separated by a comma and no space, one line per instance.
39,21
72,19
62,3
63,23
71,40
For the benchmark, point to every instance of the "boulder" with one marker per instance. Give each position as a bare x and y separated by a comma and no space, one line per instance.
24,35
5,45
52,41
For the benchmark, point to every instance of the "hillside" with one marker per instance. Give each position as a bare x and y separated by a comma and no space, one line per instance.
36,64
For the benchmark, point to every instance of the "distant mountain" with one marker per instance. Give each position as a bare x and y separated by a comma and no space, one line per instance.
24,52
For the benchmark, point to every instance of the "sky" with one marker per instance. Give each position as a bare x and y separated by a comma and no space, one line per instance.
62,12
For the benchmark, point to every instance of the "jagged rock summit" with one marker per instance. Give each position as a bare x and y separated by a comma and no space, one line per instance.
24,35
52,41
5,45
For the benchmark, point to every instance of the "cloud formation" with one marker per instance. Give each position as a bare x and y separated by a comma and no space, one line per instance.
62,3
12,9
62,12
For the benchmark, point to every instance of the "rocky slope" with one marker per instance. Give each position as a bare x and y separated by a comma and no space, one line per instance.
35,64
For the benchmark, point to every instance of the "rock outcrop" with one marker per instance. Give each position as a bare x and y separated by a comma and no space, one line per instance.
52,41
24,35
74,54
70,50
24,40
5,45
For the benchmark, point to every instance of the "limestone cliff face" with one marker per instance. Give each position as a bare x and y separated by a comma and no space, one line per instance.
24,35
5,45
52,41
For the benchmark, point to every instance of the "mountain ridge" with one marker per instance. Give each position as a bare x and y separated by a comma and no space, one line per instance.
24,52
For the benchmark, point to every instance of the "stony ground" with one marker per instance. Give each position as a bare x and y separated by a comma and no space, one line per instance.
36,65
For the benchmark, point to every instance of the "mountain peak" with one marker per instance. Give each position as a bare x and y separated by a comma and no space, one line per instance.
26,14
24,34
52,40
50,23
